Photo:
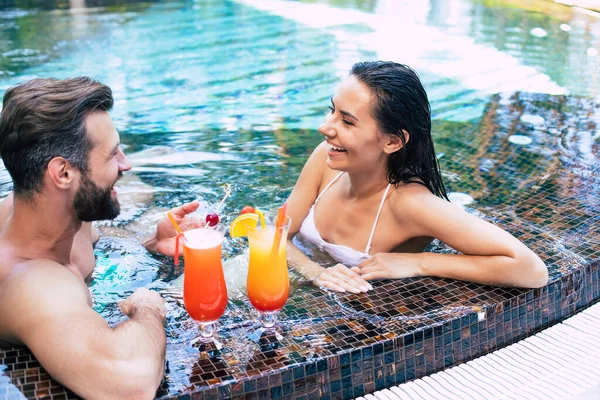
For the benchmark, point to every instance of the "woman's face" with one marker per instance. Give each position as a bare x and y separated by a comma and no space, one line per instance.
352,134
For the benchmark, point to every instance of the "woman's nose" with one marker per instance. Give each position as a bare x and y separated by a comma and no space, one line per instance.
326,128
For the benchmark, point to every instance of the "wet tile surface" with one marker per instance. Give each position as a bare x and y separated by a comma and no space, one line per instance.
342,346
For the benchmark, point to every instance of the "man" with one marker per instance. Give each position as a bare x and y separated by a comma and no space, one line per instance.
62,151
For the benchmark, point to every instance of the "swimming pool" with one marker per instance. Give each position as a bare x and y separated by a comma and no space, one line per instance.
213,92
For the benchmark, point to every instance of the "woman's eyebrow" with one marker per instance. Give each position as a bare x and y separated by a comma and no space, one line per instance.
344,113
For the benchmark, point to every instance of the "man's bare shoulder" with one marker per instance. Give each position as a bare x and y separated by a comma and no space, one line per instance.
87,231
35,290
27,278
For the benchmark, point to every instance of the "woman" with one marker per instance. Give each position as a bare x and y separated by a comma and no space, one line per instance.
371,195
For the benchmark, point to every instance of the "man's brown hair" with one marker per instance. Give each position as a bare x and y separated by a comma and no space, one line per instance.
45,118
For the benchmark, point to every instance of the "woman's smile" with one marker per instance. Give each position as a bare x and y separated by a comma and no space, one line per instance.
335,150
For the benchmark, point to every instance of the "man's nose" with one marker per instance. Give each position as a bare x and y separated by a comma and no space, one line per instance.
124,163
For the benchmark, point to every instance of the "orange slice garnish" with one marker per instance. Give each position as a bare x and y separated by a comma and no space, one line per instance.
239,226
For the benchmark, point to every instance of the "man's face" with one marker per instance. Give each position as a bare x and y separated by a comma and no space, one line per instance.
96,197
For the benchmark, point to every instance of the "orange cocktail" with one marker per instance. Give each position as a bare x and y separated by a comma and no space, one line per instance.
268,283
204,290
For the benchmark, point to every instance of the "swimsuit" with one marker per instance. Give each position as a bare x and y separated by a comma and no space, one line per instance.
342,254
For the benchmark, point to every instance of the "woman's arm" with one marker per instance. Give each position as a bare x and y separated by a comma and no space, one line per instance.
340,277
302,264
307,188
490,255
299,203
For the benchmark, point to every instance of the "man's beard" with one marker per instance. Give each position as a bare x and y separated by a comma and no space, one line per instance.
93,203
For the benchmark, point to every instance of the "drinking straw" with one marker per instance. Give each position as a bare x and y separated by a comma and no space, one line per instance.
172,219
177,242
262,218
281,214
177,239
227,188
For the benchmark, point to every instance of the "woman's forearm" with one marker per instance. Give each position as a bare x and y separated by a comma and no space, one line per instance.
526,270
301,263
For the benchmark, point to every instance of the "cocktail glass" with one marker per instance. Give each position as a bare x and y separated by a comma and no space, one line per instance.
268,282
204,289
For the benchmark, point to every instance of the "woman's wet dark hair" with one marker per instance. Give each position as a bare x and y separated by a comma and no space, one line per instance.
401,104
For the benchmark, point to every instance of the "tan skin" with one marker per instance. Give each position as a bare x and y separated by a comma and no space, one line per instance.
162,240
411,216
82,254
44,301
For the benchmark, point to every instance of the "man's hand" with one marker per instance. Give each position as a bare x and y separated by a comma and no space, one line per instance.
163,239
341,279
389,266
144,300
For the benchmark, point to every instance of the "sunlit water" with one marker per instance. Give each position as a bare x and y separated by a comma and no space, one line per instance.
215,92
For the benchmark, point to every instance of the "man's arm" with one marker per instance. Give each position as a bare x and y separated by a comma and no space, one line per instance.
46,307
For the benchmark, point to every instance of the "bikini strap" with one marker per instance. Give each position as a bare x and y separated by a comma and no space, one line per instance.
377,218
327,187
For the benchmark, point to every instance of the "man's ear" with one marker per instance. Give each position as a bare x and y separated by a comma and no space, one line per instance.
61,173
394,143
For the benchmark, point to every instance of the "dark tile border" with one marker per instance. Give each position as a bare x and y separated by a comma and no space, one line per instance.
426,350
384,363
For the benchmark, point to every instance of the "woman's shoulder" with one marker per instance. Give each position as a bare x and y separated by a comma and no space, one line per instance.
407,200
411,190
317,163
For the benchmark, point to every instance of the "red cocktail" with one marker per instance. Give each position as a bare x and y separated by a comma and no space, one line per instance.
204,289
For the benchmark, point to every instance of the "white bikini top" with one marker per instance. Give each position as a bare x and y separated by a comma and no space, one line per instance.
342,254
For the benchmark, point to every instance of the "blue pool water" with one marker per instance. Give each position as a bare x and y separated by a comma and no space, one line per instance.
214,92
209,92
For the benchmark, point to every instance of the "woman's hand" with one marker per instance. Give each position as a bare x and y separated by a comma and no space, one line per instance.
163,239
341,279
390,266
